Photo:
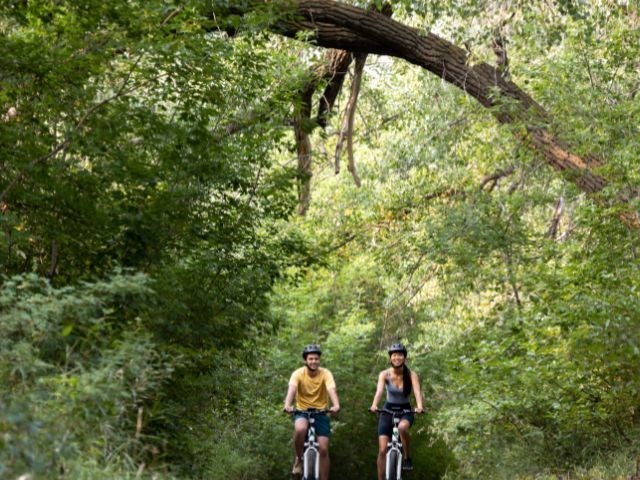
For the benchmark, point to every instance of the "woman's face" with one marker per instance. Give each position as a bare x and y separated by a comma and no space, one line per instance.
397,359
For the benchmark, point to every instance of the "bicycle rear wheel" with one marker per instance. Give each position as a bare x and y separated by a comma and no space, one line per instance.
309,464
393,465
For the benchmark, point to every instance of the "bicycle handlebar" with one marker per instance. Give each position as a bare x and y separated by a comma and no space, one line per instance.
395,411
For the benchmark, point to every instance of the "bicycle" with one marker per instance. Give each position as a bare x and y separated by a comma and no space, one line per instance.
393,466
311,454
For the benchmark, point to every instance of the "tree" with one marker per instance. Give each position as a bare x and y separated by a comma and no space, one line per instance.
337,25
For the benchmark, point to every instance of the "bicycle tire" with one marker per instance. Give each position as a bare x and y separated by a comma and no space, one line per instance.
309,464
392,465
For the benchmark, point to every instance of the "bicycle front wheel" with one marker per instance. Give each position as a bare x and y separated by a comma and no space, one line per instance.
393,465
309,463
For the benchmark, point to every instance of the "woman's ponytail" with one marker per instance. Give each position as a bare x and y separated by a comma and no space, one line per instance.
407,384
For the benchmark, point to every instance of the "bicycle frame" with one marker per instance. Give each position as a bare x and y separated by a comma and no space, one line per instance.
394,445
311,453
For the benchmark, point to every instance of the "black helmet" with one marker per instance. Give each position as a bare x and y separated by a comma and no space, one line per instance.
397,348
311,348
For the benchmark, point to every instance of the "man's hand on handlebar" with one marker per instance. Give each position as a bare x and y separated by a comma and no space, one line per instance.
334,409
288,409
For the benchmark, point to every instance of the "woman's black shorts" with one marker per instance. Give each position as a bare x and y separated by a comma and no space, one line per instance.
385,421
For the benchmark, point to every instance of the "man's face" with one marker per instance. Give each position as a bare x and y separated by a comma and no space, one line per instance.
397,359
312,361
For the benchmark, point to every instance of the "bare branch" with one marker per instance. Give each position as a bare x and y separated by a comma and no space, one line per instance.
361,59
499,45
492,180
552,232
346,132
338,65
54,260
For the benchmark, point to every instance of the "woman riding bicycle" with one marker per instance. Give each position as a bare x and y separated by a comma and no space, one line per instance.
399,382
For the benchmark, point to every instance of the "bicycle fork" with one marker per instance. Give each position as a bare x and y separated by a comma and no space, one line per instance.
311,458
393,465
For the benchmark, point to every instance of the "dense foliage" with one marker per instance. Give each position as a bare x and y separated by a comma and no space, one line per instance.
157,287
77,372
114,156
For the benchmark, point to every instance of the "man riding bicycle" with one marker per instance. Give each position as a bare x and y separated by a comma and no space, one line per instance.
399,382
312,386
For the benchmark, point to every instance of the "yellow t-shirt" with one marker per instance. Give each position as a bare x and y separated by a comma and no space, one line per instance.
313,392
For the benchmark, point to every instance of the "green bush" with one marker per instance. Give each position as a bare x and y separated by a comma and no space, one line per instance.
76,374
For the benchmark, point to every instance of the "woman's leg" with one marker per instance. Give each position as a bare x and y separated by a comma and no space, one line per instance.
403,427
383,441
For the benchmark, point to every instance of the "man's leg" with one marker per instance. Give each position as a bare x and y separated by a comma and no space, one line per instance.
323,446
299,434
383,441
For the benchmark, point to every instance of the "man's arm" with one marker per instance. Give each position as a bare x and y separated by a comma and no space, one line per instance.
335,402
288,399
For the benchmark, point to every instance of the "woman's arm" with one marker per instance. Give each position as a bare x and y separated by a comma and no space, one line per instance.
415,382
379,390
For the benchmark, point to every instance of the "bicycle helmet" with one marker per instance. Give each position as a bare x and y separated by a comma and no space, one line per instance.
397,348
311,348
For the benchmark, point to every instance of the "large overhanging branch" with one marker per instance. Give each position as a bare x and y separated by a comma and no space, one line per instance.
335,25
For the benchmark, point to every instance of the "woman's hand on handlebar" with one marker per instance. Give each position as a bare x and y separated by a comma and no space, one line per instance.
373,409
419,410
288,409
